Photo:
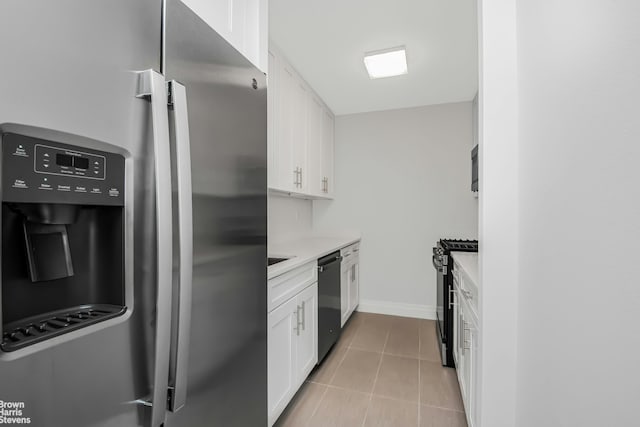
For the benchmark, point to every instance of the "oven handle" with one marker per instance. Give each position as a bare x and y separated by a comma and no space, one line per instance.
435,265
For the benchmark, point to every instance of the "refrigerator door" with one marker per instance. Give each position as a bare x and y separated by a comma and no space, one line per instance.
227,107
70,68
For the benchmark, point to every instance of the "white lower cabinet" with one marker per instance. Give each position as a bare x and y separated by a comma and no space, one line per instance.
465,339
344,293
292,342
354,284
307,341
349,281
281,356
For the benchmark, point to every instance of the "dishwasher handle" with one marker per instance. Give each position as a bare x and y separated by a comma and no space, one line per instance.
322,267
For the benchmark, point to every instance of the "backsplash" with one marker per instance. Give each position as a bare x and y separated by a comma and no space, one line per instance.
288,218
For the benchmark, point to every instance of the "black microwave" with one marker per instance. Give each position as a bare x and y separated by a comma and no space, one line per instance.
474,169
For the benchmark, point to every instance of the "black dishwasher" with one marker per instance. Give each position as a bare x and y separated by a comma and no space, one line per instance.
328,302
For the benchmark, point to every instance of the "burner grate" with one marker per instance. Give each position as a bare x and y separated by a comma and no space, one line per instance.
29,331
459,245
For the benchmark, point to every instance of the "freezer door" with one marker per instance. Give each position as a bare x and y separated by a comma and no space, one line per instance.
227,107
69,73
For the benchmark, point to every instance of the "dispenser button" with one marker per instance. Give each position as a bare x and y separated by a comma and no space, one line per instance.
19,183
96,191
20,151
114,192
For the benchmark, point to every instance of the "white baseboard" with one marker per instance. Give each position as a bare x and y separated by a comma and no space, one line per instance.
397,309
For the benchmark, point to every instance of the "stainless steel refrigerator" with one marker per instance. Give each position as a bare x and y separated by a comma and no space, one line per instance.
133,172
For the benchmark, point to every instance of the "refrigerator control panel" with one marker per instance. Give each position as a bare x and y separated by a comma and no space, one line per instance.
40,171
56,161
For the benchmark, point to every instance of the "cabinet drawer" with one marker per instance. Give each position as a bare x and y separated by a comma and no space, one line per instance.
350,252
470,291
287,285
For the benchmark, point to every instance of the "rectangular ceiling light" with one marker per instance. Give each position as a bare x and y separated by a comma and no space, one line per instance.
386,63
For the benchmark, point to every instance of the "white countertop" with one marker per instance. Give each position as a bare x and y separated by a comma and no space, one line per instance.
304,250
469,263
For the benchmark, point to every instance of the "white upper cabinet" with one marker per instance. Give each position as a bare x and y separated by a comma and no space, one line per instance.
243,23
315,114
297,99
273,108
327,154
300,134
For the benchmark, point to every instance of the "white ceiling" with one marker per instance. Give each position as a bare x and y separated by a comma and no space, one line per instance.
325,41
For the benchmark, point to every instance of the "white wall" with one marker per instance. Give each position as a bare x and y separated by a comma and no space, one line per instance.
578,217
288,218
403,180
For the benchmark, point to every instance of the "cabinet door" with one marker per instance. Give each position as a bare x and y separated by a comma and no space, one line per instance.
327,154
472,375
354,285
299,103
344,293
453,346
286,169
273,118
315,140
243,23
462,356
281,357
307,342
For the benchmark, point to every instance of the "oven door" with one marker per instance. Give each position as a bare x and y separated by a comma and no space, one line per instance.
442,298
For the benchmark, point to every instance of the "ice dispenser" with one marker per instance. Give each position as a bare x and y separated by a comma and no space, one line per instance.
62,239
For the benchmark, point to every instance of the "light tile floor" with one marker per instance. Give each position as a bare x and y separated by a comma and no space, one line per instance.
383,371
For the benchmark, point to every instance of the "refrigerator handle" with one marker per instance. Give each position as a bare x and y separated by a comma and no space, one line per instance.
151,86
182,318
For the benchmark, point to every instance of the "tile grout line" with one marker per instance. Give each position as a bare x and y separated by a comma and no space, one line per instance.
375,381
328,385
317,406
382,396
344,356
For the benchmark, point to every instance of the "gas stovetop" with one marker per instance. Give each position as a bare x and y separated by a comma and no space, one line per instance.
459,245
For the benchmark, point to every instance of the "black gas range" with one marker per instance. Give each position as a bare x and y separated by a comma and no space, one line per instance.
443,264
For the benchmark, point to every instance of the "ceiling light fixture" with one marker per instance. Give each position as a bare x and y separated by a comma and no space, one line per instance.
386,63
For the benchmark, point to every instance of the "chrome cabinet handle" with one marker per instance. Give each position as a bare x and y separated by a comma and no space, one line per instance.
466,341
179,360
297,328
461,333
151,86
296,174
304,315
451,295
300,177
